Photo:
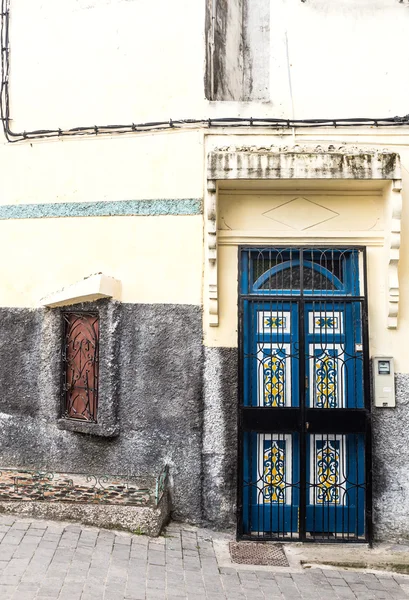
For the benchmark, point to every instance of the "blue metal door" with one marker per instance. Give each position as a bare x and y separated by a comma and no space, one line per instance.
304,426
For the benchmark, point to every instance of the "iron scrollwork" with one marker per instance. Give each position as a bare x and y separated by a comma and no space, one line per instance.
23,485
80,366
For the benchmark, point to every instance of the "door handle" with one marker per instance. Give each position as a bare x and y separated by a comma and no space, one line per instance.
307,425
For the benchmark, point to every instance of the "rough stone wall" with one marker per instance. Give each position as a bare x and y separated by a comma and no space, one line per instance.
159,358
220,437
390,466
176,404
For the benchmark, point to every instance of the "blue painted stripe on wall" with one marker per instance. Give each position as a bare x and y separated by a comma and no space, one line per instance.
181,206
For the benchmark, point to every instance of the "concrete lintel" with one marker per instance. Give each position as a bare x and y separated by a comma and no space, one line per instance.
343,163
251,162
88,289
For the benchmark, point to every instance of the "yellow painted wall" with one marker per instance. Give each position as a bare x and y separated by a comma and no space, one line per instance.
158,259
303,211
361,215
94,169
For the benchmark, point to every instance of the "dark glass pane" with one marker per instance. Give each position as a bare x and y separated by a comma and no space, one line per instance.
313,280
264,261
290,279
314,262
287,279
331,260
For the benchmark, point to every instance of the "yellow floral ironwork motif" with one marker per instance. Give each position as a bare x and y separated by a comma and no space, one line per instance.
274,322
327,472
274,381
326,381
326,322
274,473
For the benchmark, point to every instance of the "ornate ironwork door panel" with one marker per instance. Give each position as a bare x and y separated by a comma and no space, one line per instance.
271,381
334,382
304,410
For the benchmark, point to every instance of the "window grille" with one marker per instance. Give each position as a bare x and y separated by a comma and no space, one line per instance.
80,366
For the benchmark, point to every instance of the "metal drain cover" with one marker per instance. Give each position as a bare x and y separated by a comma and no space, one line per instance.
258,553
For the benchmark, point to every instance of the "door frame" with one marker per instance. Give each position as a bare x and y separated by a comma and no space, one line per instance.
302,537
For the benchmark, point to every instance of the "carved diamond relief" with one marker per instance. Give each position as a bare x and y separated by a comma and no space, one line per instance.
300,213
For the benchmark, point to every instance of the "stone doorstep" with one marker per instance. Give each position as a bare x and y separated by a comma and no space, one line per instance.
147,520
381,558
352,555
389,558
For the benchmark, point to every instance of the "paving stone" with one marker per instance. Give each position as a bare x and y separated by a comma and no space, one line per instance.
342,592
20,525
332,574
338,583
7,520
383,594
45,561
6,592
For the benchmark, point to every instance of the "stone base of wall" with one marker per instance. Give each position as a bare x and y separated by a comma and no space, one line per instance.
390,427
138,504
219,442
147,520
150,373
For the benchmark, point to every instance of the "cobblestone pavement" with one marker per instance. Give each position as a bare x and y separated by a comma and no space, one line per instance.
48,560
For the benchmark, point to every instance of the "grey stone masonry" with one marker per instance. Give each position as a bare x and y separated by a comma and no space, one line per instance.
153,401
43,560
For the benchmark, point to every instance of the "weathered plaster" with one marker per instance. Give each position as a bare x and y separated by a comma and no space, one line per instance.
256,50
220,437
224,49
237,50
176,404
160,206
390,466
302,162
151,372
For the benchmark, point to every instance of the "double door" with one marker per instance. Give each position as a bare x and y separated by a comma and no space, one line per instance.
304,414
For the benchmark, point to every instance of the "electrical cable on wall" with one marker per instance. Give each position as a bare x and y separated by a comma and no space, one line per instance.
238,122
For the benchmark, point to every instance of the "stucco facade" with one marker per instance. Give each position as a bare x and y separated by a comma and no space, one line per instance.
163,210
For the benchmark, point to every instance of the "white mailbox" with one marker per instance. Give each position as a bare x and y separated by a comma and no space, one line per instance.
383,381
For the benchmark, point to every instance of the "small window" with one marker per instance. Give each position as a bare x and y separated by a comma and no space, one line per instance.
80,366
316,271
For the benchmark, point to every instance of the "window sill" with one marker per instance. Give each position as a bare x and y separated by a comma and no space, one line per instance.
88,428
